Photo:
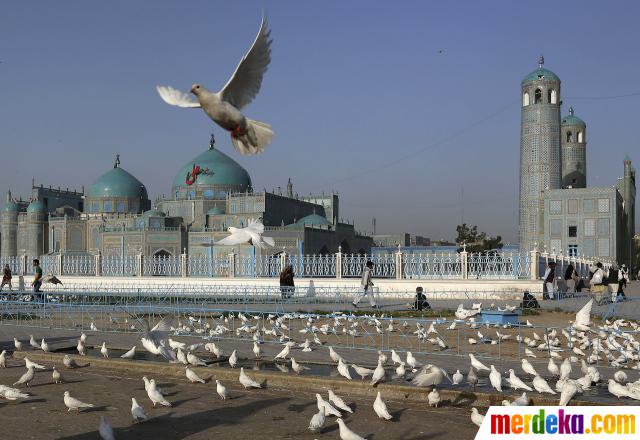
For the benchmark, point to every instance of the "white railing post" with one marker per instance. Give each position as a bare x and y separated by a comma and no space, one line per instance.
139,268
463,262
399,273
23,263
97,262
184,267
339,263
232,265
59,263
534,263
283,260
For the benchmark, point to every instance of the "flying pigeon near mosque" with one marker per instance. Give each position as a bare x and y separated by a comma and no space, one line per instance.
223,107
252,235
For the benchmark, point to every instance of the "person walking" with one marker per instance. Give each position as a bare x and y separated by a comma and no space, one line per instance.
366,285
6,277
37,281
287,285
597,283
550,279
570,278
623,277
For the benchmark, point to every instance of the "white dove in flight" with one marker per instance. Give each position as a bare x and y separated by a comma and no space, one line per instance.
252,234
223,107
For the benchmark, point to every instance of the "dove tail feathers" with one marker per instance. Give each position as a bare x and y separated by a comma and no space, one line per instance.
269,240
257,137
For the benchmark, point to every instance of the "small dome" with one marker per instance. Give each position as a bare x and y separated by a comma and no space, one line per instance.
541,74
10,206
117,183
154,213
313,219
573,120
218,172
215,211
36,206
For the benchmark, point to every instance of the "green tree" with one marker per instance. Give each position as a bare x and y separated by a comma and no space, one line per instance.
476,241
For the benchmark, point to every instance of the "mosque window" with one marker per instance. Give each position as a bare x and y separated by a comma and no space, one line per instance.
525,99
573,250
603,227
95,207
603,205
589,206
551,95
580,136
573,231
555,227
208,194
573,206
538,96
569,136
603,247
556,245
555,206
590,227
191,194
121,207
107,206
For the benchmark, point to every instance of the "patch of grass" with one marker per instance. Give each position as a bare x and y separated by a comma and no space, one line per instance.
530,312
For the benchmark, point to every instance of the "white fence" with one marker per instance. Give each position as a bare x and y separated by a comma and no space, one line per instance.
437,266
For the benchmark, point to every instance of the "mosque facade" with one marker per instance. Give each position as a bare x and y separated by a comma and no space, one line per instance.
210,193
558,212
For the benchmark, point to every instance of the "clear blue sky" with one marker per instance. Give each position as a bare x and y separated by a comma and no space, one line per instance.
359,96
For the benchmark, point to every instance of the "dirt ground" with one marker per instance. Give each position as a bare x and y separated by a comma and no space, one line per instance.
198,412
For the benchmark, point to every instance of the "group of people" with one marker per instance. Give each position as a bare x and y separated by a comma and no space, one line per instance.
7,277
600,280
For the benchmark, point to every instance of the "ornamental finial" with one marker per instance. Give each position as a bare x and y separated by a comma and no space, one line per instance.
571,111
212,141
116,164
541,61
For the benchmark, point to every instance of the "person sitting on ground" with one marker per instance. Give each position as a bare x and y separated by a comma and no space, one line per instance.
421,300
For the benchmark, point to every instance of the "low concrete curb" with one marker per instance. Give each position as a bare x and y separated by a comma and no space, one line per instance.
295,382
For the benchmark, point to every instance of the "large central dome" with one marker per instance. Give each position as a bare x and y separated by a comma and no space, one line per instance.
211,174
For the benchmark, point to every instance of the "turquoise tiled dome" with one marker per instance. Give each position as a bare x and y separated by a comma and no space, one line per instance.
573,120
154,213
10,206
117,183
36,206
313,219
541,74
220,171
215,211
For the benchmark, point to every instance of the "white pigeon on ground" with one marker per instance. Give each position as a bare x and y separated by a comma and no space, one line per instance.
333,355
343,369
620,376
104,350
137,411
395,357
476,417
26,378
252,235
362,371
13,394
412,361
378,374
472,377
457,378
30,364
553,368
528,368
105,430
34,343
541,385
195,360
338,402
329,410
154,394
69,362
381,408
256,350
317,421
429,375
346,433
74,404
617,389
233,359
221,390
495,378
401,370
44,346
81,348
284,353
296,367
569,389
516,383
565,368
56,376
433,397
246,381
248,136
17,344
129,354
193,376
475,363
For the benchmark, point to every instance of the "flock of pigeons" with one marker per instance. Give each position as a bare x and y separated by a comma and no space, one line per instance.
581,343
